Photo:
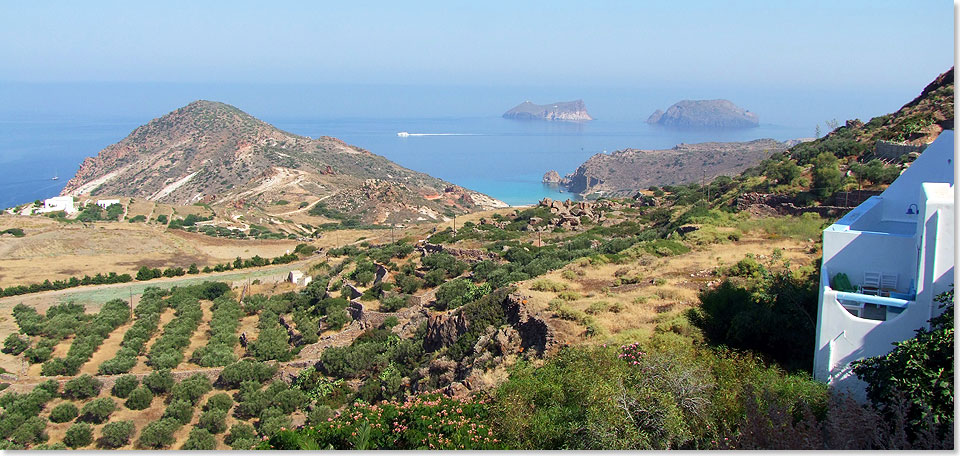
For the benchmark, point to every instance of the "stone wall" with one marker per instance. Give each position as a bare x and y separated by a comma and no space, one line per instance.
890,150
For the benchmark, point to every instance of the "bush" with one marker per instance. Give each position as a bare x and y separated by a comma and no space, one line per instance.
158,434
159,381
214,421
272,420
116,434
78,436
64,412
98,410
191,389
179,410
272,343
51,386
394,303
31,431
785,303
14,345
200,439
241,436
81,387
458,292
139,399
246,370
124,385
219,401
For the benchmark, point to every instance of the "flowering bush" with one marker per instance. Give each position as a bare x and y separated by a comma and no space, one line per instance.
631,353
428,421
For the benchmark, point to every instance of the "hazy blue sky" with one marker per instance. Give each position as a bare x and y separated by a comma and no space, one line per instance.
872,44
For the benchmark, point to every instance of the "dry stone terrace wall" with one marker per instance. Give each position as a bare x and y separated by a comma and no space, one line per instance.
468,255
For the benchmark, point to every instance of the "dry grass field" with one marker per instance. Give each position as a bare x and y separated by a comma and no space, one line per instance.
666,286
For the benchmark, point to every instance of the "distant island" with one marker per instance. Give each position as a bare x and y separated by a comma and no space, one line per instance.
705,113
561,110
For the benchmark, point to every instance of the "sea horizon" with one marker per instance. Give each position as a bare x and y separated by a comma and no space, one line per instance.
49,129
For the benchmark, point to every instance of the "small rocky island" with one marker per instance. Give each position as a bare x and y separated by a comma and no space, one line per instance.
705,113
561,110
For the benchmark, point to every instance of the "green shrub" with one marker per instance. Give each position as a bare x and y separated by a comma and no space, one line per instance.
219,401
81,387
64,412
31,431
179,410
160,381
98,410
124,385
78,436
457,292
394,303
272,420
246,370
191,389
14,345
158,434
241,436
214,421
139,399
200,439
116,434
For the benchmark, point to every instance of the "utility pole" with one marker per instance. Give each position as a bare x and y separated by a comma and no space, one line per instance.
454,224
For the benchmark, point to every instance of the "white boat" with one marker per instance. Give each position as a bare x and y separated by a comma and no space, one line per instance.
403,134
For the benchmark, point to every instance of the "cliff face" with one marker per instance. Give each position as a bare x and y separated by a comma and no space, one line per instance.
216,153
561,110
625,171
705,113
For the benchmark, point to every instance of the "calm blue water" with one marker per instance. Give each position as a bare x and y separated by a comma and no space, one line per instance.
502,158
49,129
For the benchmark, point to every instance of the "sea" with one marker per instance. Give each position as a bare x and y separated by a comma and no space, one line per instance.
455,133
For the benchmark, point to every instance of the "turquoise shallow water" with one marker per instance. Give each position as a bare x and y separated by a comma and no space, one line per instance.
503,158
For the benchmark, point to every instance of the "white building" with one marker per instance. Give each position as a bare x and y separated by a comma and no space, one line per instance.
58,203
299,278
107,203
897,252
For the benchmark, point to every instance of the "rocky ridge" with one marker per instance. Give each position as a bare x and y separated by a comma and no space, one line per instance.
214,153
622,172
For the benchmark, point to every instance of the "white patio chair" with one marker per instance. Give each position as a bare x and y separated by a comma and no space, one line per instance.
888,282
871,283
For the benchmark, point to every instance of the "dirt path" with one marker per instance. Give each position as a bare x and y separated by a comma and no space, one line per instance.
108,349
165,317
200,337
305,208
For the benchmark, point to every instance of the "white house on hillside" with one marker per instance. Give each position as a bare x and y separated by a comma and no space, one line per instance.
883,263
58,203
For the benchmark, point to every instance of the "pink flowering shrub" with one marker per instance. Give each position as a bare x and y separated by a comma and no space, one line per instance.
429,421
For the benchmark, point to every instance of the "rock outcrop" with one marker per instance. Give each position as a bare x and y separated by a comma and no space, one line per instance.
561,110
551,177
705,113
623,172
